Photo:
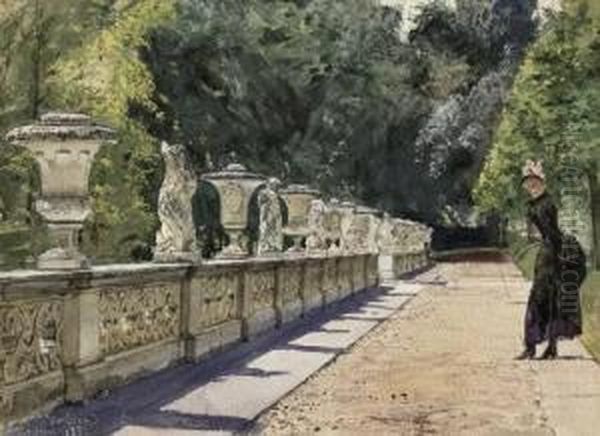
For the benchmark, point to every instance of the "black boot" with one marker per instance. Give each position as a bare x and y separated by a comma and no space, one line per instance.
527,354
551,352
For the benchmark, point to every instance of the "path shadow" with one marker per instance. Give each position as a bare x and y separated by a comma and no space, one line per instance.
582,358
330,330
171,419
312,348
252,372
364,318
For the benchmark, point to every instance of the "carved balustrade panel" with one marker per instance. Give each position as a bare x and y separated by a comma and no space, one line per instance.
313,283
260,286
30,344
133,317
345,274
217,300
291,284
358,271
330,275
372,270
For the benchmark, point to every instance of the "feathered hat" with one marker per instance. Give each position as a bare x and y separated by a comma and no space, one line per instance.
533,169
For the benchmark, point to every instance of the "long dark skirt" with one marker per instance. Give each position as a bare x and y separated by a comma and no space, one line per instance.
554,308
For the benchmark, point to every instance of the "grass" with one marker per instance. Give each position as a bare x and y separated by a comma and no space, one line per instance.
524,254
591,313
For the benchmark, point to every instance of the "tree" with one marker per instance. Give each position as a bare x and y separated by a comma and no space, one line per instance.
553,113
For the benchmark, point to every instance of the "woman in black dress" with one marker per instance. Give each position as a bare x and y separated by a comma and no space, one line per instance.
553,310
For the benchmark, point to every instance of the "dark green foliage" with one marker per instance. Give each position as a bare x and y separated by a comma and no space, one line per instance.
315,91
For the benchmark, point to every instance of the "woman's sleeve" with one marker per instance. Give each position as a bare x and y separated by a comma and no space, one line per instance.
549,223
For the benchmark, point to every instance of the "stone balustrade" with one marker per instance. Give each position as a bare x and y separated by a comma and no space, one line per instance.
70,330
65,336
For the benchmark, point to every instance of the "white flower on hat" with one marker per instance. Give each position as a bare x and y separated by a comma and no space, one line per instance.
534,169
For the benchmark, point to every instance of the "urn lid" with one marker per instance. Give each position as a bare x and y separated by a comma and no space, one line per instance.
62,126
348,205
234,171
301,189
366,210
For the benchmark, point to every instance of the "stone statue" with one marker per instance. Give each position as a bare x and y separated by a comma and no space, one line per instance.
316,241
347,232
270,235
176,239
332,222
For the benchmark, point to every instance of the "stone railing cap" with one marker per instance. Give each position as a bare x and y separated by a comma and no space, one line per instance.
62,126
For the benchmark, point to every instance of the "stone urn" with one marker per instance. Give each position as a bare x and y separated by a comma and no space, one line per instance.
64,145
298,199
235,185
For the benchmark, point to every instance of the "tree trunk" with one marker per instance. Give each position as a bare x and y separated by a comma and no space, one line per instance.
36,60
595,208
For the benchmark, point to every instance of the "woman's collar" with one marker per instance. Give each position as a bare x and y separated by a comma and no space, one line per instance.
538,197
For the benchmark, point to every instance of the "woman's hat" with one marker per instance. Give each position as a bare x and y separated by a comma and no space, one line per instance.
533,169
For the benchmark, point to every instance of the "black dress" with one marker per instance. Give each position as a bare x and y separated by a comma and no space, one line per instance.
554,309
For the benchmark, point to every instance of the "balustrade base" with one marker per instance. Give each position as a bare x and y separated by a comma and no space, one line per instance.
313,303
290,311
118,369
38,395
344,293
331,297
259,322
201,346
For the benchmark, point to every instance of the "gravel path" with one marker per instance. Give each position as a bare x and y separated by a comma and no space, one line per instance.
445,365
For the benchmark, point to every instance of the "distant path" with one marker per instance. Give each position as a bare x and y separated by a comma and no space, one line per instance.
445,366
